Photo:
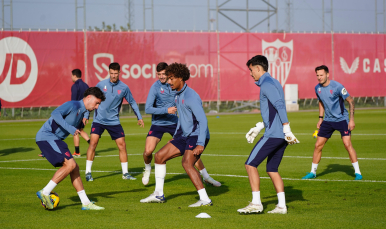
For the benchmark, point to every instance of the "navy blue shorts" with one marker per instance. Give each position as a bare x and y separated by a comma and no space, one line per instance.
80,126
158,131
273,148
327,128
55,151
114,131
186,143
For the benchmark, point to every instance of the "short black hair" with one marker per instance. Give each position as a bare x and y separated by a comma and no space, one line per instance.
77,73
259,60
178,70
161,66
321,67
95,91
115,66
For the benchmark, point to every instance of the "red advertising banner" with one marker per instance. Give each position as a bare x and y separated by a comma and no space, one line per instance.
139,53
35,67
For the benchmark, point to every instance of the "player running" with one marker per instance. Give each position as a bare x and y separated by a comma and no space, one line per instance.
275,139
189,140
331,95
106,117
160,103
63,121
77,91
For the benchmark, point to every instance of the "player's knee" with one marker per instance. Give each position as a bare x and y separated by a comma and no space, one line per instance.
71,164
158,159
148,153
186,163
121,145
347,144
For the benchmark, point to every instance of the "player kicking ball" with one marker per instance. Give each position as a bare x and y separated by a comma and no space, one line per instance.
331,95
160,104
50,141
275,139
189,140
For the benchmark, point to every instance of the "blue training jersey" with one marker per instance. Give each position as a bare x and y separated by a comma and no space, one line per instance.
63,121
332,96
159,99
108,111
77,92
272,106
191,116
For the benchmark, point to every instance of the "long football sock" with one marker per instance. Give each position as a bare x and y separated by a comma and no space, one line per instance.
356,167
203,195
49,187
160,173
83,197
204,173
256,198
281,199
314,167
125,166
88,166
76,149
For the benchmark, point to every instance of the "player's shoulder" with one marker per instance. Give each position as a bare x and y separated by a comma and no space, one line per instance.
335,84
71,104
191,95
101,83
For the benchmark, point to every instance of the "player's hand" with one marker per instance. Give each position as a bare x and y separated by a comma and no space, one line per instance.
85,121
76,132
319,123
141,123
289,136
253,132
198,150
172,110
351,125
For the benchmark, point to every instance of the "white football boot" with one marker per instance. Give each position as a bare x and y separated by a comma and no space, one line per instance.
251,208
279,210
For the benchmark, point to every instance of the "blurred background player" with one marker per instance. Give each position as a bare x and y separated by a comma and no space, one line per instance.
106,117
276,137
63,121
331,95
160,103
189,140
77,91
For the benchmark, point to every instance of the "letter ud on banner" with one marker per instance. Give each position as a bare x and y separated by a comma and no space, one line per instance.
279,55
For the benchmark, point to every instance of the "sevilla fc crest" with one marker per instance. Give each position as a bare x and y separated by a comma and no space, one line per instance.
279,55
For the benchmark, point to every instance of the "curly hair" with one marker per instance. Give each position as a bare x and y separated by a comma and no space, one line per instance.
95,91
178,70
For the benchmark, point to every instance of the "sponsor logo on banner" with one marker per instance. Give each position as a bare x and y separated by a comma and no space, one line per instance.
147,71
349,70
18,69
279,55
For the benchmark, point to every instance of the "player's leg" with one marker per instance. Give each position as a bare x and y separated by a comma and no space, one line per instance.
94,139
205,175
273,162
123,158
78,185
166,153
353,156
85,136
261,150
76,145
151,143
325,132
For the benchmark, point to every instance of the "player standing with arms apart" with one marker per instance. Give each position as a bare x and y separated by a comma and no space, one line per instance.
106,117
275,139
77,91
160,103
63,121
331,95
189,140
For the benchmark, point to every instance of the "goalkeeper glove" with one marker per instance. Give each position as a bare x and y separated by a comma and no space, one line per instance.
289,136
253,132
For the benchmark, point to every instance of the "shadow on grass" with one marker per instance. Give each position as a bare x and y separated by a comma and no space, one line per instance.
94,196
5,152
291,195
133,172
113,149
338,168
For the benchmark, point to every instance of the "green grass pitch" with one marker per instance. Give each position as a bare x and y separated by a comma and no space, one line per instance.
332,200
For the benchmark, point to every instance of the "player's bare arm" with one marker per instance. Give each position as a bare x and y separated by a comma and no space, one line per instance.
321,113
351,103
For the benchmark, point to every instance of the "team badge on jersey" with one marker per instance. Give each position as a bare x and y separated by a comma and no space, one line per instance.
183,101
162,90
344,91
105,89
319,90
119,92
78,112
331,91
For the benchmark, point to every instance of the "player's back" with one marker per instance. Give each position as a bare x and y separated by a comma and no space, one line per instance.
332,96
78,89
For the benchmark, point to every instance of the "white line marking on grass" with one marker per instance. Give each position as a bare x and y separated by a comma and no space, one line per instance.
219,175
218,155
